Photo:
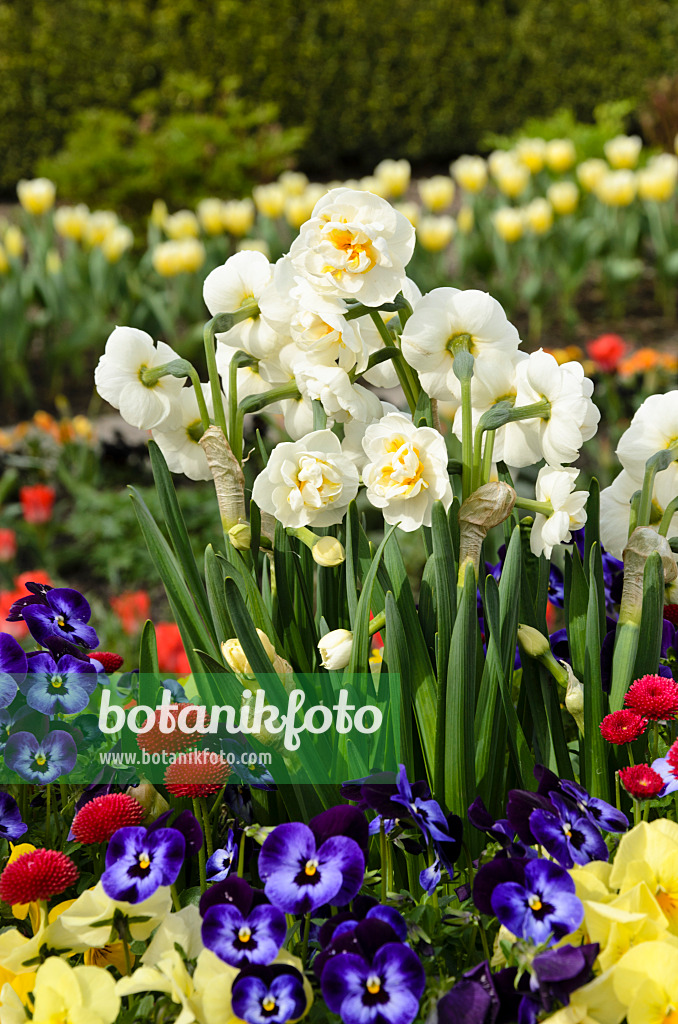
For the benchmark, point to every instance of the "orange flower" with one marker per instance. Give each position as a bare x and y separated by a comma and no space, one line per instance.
132,608
171,653
643,360
37,502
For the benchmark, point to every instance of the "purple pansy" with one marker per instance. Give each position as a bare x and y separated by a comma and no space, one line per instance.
59,687
341,820
300,876
240,931
544,905
268,995
11,824
383,990
186,823
427,814
41,761
567,835
362,930
220,863
64,615
13,668
668,773
139,861
598,811
473,1000
376,792
558,972
36,595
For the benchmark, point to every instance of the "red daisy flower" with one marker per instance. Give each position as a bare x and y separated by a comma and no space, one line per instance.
641,781
98,819
198,773
154,741
671,613
37,876
623,726
672,755
108,659
653,697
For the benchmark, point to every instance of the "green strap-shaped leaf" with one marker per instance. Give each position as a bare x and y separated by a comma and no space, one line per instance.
176,529
458,749
650,639
594,747
216,595
360,652
445,568
398,659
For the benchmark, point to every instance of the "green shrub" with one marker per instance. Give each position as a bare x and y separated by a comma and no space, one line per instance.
366,78
182,156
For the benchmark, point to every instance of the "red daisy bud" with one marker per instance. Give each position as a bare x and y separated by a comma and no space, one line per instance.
37,876
641,781
98,819
185,716
108,659
672,755
653,697
198,773
623,726
671,613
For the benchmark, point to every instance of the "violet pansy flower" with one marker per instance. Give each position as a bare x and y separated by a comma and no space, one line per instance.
41,761
242,932
300,876
64,615
13,668
566,834
11,824
473,1000
544,905
598,811
138,862
268,995
59,687
385,990
427,814
221,862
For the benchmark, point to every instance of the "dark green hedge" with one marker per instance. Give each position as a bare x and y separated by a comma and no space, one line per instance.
367,78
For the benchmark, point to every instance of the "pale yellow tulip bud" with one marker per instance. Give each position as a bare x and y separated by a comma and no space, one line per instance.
210,216
409,210
237,216
466,220
294,183
531,152
533,642
36,196
159,213
563,197
623,151
182,224
508,223
269,199
560,155
394,177
15,243
437,192
236,659
470,173
4,262
435,233
590,173
52,262
71,221
539,216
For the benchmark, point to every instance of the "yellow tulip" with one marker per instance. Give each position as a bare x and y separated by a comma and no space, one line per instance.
182,224
563,197
294,183
531,152
237,216
409,210
470,173
512,177
254,245
36,196
623,151
71,221
99,226
508,223
15,243
394,176
466,220
590,173
617,188
539,216
210,216
269,199
4,262
159,213
117,243
437,192
560,155
435,233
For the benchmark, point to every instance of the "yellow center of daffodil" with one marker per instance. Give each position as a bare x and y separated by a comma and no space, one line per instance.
311,867
144,861
268,1003
404,472
244,933
373,985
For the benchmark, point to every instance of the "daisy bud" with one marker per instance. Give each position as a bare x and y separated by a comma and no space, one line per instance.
328,552
335,649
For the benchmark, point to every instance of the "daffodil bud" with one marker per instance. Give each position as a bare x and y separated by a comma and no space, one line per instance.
574,697
640,545
335,649
153,803
533,642
229,481
240,536
236,659
488,506
328,551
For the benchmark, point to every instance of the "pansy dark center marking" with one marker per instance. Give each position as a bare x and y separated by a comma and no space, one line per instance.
244,933
373,984
311,867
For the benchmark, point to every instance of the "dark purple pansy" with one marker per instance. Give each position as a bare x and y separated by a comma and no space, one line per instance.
383,990
494,873
556,587
427,814
341,820
268,995
64,615
220,863
598,811
41,761
11,825
519,808
566,834
59,687
429,877
13,668
473,1000
376,792
244,935
139,861
559,972
36,595
300,876
184,822
378,927
498,829
544,906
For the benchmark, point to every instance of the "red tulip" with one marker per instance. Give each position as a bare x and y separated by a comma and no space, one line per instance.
37,502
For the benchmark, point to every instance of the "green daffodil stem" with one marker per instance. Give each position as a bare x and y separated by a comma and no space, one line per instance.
204,812
538,507
233,406
304,941
201,852
215,381
488,450
382,856
661,460
466,438
669,513
176,902
405,373
241,855
48,819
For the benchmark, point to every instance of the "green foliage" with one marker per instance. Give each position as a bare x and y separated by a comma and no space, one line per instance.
422,79
610,119
192,142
